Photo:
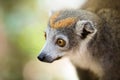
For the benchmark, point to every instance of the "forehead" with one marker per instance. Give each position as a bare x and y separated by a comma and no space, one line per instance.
61,19
64,31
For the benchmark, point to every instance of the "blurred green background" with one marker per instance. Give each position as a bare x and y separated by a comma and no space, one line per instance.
22,25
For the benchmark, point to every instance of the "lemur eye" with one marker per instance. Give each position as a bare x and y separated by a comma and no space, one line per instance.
60,42
45,35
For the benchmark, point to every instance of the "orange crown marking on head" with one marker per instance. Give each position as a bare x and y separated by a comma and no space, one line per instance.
53,17
61,23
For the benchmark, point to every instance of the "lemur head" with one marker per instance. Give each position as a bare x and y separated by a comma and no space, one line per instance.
66,32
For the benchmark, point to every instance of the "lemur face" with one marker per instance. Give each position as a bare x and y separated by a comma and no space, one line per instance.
57,44
64,34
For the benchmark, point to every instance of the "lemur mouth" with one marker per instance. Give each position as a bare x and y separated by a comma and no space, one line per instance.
58,58
54,60
48,61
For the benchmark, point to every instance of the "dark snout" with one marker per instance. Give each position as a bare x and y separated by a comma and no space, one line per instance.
45,58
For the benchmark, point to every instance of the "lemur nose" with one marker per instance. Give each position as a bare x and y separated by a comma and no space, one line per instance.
41,57
45,58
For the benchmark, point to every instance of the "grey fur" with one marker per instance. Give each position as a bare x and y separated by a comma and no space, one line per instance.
100,47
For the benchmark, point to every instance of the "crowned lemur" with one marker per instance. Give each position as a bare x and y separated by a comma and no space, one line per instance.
90,37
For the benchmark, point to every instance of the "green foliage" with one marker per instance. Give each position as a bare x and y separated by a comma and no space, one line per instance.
25,35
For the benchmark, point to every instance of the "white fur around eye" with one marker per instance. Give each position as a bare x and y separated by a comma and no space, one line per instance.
65,39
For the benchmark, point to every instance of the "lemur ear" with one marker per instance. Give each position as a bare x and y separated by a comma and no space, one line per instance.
84,27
